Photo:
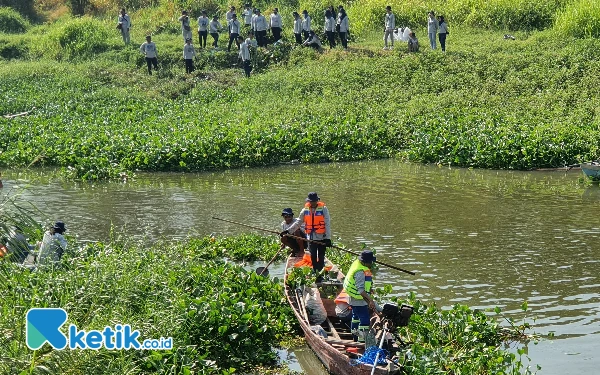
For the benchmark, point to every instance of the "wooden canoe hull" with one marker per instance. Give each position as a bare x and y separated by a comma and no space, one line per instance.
336,362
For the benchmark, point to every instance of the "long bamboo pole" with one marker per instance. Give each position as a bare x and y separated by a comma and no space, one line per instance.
313,241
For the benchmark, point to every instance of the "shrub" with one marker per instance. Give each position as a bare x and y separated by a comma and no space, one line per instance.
12,50
79,37
25,7
12,22
580,19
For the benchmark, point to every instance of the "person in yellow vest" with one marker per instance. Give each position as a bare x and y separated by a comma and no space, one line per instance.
358,283
315,217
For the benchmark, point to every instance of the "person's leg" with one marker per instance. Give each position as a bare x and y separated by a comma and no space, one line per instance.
149,64
247,70
344,40
385,38
298,38
432,40
443,41
155,63
359,325
204,37
232,37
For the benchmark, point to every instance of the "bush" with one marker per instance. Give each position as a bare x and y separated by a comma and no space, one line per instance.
11,22
580,19
12,50
25,7
79,37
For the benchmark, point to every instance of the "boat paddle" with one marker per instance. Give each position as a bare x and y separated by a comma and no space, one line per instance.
313,241
264,271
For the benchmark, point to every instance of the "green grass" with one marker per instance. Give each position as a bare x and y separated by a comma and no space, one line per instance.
487,103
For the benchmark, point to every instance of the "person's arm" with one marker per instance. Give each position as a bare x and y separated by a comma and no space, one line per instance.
327,222
359,280
142,49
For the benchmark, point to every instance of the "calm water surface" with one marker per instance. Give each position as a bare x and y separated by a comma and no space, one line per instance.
481,238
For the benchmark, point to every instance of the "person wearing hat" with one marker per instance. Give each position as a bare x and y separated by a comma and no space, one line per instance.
295,244
186,30
53,245
358,285
188,55
234,32
315,217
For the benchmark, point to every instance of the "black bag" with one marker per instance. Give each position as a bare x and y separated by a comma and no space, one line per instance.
187,28
119,26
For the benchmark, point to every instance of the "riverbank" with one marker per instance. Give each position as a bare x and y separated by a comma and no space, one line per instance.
487,102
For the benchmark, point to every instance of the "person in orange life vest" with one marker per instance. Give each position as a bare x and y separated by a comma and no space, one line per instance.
343,310
358,285
295,244
315,217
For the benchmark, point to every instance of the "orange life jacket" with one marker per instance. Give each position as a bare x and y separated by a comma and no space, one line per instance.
343,297
314,221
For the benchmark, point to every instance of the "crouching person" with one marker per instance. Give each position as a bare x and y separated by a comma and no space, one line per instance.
358,285
296,244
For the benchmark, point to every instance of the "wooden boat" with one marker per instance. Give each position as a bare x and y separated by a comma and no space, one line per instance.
591,170
337,350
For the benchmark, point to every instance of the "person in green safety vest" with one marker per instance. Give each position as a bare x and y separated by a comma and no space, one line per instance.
358,284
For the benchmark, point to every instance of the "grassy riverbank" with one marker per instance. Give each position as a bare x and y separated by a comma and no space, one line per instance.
486,103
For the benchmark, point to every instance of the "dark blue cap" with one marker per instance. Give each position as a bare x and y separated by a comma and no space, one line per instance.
313,197
59,225
367,256
287,211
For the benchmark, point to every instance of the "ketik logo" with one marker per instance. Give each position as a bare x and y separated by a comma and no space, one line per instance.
43,325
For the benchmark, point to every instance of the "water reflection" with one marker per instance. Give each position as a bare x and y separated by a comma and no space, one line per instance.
483,238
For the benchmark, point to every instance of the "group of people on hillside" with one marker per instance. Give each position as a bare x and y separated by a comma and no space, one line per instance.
47,252
354,304
256,26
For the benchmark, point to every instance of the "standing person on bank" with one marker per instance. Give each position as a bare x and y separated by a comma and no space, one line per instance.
306,24
124,25
188,55
247,15
390,26
297,28
330,28
203,22
245,56
229,16
214,27
186,29
432,29
234,32
149,50
343,27
358,285
316,220
442,32
276,24
260,22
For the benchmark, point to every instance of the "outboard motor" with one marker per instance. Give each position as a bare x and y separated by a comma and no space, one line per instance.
397,316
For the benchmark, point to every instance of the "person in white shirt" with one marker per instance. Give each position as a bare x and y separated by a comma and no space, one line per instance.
443,31
250,41
313,41
124,25
390,26
343,27
188,55
276,24
253,21
261,29
228,17
186,30
297,27
53,245
306,28
203,22
214,27
330,28
234,32
247,14
297,245
149,50
432,28
245,56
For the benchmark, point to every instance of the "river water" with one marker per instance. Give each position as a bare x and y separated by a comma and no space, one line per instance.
476,237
